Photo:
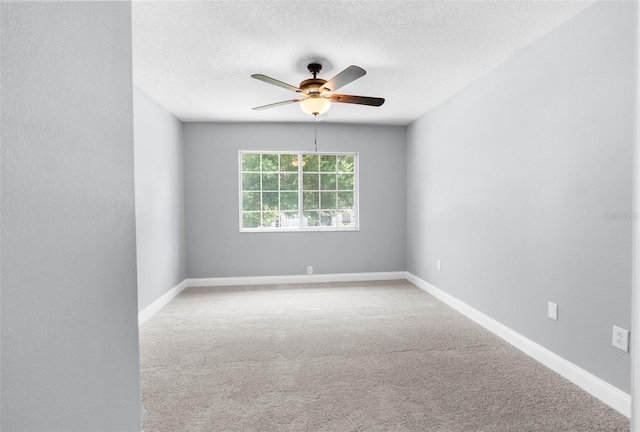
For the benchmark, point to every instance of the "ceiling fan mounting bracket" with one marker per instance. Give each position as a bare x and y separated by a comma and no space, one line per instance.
314,68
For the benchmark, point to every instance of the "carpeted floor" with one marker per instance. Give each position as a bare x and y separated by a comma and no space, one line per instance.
359,356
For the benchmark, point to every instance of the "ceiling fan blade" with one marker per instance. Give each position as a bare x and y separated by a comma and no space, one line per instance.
276,104
348,75
360,100
275,82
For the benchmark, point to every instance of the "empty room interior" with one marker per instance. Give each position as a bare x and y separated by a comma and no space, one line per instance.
336,216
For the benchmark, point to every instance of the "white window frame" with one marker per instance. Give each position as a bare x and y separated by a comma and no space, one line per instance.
301,228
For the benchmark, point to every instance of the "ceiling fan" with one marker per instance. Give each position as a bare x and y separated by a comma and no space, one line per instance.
318,93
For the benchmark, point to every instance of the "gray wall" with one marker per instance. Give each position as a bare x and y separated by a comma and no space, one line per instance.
159,178
521,186
69,306
215,247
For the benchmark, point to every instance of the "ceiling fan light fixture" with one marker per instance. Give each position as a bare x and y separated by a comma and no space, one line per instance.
319,93
315,105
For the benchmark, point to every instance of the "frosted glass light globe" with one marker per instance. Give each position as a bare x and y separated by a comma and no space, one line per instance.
315,105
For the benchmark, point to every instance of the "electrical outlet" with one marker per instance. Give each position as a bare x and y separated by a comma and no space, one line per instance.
309,270
553,311
438,264
620,338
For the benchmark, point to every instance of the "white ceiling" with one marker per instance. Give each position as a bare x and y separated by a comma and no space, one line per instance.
196,57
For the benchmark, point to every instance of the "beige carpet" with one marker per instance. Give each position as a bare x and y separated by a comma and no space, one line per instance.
363,356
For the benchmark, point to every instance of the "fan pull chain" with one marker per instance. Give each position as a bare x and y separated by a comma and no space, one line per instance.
315,131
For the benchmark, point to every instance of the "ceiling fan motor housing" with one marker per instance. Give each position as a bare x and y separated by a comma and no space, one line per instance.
312,86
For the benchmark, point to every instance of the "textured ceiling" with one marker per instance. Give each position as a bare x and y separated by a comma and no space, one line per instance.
196,58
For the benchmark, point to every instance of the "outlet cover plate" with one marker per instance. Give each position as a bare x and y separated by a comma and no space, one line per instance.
620,338
553,311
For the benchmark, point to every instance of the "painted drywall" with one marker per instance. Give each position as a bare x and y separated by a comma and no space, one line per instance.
216,248
69,303
635,307
522,183
159,179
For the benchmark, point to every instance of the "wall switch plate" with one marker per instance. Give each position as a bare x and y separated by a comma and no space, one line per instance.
309,270
438,264
553,311
620,338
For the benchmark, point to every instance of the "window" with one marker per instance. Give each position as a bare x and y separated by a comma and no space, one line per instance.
298,191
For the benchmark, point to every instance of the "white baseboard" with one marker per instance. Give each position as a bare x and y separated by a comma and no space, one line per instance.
154,307
276,280
598,388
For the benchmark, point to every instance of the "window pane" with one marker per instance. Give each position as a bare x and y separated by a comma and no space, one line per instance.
289,162
327,200
327,181
289,181
269,162
250,220
251,201
345,181
327,219
250,181
345,219
270,219
328,163
289,201
310,181
310,201
310,163
345,200
345,163
311,218
250,162
270,200
289,220
270,181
